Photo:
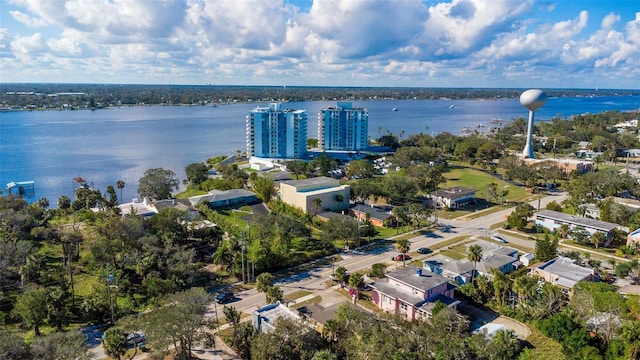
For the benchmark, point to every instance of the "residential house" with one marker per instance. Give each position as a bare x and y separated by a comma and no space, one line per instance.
378,216
179,204
144,208
502,258
148,208
562,272
453,198
592,210
458,271
229,198
412,293
302,194
317,315
633,238
265,318
626,125
552,220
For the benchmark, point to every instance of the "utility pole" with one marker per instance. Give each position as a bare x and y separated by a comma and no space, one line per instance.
502,191
242,247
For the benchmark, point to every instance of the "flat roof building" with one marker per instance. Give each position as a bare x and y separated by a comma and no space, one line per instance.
343,127
551,220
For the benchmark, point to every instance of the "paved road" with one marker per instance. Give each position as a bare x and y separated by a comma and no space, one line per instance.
316,278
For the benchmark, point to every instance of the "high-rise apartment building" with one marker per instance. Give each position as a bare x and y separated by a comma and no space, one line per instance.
275,132
343,128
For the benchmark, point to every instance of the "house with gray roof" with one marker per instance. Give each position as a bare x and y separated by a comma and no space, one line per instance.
552,220
562,272
378,216
229,198
453,198
502,258
412,293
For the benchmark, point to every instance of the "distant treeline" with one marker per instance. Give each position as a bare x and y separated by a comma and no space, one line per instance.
42,96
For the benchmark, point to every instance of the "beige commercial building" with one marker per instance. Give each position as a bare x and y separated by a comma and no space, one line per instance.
302,194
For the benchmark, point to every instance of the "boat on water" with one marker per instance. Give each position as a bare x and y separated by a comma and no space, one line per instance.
394,109
451,107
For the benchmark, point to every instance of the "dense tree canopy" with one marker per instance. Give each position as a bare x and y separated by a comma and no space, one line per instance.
158,183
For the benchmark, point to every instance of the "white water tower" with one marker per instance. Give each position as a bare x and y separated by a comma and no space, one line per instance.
533,100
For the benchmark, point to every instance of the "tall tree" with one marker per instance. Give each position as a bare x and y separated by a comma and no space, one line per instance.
185,312
264,187
120,186
61,345
474,254
114,342
598,239
196,173
546,248
233,318
158,183
316,203
403,245
504,345
264,281
31,307
274,294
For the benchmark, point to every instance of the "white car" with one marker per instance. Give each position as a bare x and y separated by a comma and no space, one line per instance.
499,239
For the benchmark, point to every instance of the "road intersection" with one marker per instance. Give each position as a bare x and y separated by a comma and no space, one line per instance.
316,278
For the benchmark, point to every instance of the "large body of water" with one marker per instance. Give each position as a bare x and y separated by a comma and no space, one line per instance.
53,147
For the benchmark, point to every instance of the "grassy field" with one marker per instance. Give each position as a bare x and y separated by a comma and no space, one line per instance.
479,180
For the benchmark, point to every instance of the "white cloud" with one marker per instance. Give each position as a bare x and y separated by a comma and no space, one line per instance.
610,20
21,17
26,45
64,46
354,42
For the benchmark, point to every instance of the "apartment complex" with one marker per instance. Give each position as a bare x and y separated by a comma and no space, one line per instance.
275,132
343,128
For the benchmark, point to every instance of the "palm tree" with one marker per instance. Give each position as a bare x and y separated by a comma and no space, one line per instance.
563,231
474,253
598,239
505,344
120,185
400,213
356,281
403,246
341,275
316,202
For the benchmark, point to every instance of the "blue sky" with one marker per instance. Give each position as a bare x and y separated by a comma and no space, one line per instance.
423,43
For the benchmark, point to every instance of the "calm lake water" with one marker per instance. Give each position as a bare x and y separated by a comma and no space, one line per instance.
53,147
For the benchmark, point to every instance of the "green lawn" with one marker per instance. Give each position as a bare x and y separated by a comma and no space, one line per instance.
449,242
479,180
453,254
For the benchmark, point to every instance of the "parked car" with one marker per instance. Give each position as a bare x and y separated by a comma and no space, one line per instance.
401,257
424,250
499,239
224,297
